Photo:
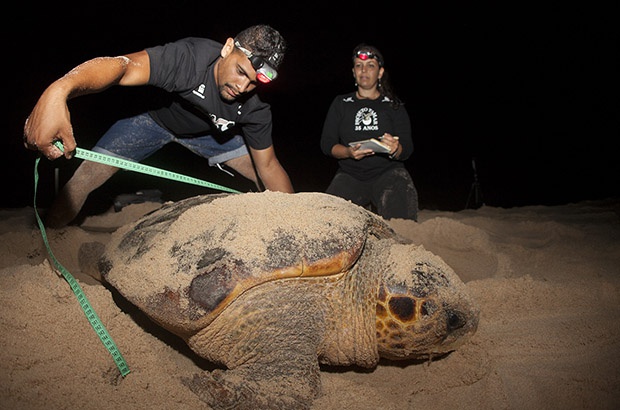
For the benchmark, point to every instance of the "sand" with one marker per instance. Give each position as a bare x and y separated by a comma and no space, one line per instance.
547,280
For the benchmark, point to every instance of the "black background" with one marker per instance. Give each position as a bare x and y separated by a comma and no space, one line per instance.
530,93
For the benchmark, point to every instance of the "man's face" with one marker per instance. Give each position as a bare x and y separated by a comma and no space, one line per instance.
234,74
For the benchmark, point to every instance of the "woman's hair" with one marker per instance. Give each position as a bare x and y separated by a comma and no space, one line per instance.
384,85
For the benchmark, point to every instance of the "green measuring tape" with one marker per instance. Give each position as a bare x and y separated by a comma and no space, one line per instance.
91,315
144,169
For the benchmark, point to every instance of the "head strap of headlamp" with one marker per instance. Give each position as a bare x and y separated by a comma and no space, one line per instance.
365,55
265,73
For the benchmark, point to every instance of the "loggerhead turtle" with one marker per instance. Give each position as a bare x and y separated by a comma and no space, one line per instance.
271,285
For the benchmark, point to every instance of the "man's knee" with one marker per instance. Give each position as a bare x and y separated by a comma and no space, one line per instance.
244,166
69,202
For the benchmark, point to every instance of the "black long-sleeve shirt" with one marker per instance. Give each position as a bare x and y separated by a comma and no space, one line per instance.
351,119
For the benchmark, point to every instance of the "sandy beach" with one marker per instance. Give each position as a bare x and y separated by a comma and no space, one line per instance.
547,280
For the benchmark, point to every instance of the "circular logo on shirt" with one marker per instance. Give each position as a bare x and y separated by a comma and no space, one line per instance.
366,120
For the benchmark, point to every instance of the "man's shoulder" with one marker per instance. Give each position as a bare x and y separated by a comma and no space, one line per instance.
253,105
201,41
195,45
200,45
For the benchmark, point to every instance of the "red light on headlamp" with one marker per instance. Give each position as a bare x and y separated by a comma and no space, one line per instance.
365,55
264,72
263,77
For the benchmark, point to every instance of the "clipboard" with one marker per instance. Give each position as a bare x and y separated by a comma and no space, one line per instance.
373,144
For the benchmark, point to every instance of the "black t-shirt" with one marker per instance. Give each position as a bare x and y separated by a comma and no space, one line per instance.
185,69
351,119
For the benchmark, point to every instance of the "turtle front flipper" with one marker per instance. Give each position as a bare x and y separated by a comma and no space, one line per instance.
243,388
268,341
278,369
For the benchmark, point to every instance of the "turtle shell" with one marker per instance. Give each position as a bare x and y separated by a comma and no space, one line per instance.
186,262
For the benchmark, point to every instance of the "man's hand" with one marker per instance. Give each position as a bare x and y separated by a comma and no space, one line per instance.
50,122
50,119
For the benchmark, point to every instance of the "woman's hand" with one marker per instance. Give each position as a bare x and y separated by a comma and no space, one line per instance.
392,142
356,153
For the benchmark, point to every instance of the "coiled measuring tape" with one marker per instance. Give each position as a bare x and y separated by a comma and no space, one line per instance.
90,313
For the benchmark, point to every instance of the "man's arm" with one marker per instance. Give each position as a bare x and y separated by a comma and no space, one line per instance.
50,120
270,171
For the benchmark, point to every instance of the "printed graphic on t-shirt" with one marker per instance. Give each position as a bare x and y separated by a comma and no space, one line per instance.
366,120
200,92
222,124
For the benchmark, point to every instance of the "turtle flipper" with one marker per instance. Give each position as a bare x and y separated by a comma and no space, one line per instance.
268,348
234,389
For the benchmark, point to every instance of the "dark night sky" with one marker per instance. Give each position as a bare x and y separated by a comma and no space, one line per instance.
530,92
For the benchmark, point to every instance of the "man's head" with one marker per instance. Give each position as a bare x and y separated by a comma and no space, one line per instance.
251,57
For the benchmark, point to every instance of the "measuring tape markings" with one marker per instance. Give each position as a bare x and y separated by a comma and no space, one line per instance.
90,313
144,169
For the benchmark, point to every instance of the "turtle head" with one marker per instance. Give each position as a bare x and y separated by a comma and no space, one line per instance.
423,308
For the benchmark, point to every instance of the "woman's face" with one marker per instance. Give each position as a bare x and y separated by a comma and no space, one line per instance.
367,72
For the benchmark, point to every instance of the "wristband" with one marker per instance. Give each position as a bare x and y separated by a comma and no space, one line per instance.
392,156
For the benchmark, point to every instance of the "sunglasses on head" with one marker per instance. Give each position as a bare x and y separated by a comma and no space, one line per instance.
264,72
365,55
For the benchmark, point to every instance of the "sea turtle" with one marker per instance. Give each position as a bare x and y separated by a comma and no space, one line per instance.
269,286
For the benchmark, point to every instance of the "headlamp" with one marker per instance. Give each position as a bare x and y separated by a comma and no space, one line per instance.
264,72
365,55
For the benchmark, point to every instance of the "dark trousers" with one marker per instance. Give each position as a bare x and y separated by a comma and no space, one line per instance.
391,194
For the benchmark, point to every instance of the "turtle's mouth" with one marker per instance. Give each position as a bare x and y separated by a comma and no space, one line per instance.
418,357
434,355
431,342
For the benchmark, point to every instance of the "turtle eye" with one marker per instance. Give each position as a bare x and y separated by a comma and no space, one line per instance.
455,321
